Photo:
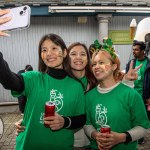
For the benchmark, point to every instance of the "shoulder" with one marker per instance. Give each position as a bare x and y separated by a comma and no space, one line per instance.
128,91
32,74
91,92
73,82
131,60
126,87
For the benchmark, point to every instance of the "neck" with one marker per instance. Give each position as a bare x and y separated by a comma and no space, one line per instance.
107,83
141,58
78,74
56,73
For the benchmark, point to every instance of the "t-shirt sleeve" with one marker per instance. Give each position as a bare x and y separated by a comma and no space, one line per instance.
138,112
28,78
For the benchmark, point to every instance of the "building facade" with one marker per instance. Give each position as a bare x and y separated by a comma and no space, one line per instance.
74,25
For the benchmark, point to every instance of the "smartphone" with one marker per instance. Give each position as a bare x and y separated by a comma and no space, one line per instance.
20,19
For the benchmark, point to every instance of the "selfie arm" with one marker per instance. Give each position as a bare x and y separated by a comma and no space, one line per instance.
74,122
8,79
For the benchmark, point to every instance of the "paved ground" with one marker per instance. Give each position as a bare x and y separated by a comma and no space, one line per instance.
7,142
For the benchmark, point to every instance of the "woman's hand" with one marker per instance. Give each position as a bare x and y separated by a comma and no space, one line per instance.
55,122
4,20
132,75
107,141
19,127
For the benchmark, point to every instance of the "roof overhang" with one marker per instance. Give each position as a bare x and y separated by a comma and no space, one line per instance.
96,9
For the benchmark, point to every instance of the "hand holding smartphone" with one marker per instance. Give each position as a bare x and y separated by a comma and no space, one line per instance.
20,19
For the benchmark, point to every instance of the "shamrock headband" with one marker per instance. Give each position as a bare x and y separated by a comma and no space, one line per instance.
107,46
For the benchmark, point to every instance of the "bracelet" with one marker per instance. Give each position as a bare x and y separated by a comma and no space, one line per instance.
128,138
69,122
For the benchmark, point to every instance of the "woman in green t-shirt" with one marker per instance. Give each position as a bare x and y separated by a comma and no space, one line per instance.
79,65
51,83
114,104
78,62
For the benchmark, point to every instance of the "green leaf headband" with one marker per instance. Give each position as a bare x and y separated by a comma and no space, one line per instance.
107,46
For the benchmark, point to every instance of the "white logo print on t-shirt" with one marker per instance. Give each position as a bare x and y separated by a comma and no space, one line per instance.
100,116
57,98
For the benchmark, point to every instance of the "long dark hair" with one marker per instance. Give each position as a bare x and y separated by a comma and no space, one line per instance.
55,39
88,72
58,41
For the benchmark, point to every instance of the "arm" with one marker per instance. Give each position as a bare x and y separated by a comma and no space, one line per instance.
19,127
57,122
8,79
137,133
131,73
146,85
127,67
74,122
90,130
126,137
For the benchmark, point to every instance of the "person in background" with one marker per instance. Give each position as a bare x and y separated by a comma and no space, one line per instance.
114,104
22,99
51,83
142,84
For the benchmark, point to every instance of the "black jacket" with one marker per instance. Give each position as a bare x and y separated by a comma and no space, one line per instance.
146,82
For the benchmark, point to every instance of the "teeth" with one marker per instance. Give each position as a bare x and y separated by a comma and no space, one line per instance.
78,63
50,59
97,72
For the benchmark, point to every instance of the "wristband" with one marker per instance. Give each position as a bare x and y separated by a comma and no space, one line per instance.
128,138
67,122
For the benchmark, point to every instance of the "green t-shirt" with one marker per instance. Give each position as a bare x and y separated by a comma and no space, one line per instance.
84,82
121,109
138,84
68,96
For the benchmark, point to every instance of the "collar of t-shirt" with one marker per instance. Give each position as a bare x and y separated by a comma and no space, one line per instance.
57,73
106,90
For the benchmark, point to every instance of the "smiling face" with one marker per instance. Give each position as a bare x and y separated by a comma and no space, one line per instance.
78,58
102,66
52,54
